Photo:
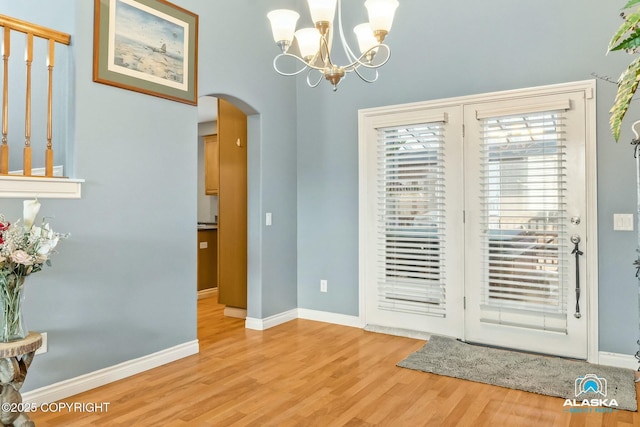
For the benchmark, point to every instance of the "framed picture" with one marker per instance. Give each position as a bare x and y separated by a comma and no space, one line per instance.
149,46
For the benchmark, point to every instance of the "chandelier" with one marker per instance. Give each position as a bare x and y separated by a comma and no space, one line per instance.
314,44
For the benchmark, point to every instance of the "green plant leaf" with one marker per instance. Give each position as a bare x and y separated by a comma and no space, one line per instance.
631,3
627,85
632,42
629,25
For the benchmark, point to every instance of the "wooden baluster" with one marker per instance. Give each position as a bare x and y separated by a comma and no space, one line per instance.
9,24
49,152
4,148
27,120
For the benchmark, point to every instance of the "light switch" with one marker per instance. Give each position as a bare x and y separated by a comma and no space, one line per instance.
267,219
623,222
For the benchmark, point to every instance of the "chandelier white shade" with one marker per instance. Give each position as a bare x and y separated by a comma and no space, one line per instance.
283,24
314,44
308,42
366,40
322,10
381,14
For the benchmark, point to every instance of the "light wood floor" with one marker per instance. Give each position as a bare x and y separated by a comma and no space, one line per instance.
306,373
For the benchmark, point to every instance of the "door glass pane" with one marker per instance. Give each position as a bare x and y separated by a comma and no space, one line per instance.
524,212
411,205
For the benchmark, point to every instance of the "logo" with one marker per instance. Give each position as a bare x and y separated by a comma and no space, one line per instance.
591,383
586,388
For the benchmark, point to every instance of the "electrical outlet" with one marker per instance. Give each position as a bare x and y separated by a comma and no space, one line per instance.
43,348
323,285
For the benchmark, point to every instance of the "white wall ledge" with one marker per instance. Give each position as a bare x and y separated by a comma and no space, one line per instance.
43,188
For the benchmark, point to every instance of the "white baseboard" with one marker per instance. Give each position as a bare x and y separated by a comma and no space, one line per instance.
303,313
271,321
66,388
327,317
618,360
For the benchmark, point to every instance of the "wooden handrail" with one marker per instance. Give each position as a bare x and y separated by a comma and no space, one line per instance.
52,36
36,30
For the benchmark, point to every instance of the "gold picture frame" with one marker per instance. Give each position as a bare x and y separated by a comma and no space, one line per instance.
148,46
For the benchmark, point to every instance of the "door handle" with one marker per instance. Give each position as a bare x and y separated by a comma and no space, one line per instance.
575,239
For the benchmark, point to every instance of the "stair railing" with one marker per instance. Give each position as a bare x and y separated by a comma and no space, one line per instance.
52,37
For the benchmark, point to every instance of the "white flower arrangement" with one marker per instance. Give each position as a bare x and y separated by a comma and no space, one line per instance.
25,248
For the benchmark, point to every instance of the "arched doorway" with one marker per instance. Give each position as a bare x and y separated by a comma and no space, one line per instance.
223,128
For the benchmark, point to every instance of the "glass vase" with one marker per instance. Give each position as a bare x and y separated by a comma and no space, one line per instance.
12,326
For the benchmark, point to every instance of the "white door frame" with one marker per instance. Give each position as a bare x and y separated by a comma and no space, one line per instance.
591,242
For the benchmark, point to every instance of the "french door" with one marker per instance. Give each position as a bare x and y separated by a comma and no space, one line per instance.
413,210
525,183
470,215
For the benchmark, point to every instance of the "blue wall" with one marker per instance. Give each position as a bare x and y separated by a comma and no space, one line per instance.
123,286
444,49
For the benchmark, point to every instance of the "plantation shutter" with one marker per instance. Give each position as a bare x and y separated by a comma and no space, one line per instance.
523,219
411,212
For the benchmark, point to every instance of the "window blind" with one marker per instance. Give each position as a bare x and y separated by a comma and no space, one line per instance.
523,202
411,212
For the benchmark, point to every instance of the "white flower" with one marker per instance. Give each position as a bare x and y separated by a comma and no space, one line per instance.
29,212
25,247
47,238
46,247
21,257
